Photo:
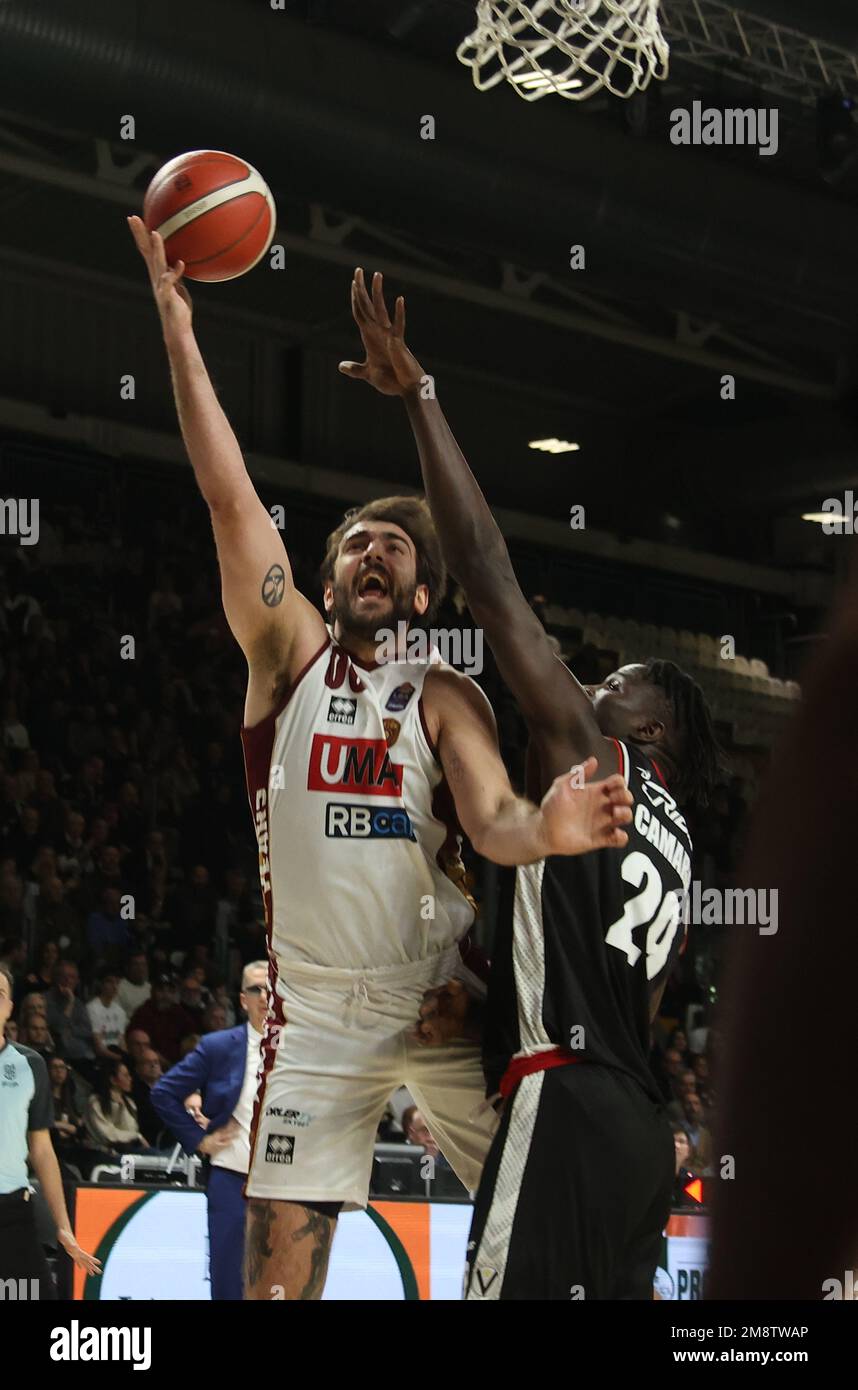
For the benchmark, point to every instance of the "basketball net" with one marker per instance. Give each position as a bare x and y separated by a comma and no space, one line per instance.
572,47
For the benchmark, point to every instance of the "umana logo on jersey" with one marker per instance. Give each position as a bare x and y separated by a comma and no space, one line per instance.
353,765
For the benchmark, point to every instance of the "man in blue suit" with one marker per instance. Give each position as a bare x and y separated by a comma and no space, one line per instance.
223,1069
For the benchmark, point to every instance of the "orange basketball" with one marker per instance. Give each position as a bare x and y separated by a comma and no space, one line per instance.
214,211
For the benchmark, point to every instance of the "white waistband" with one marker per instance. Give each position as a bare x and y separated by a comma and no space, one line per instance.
432,970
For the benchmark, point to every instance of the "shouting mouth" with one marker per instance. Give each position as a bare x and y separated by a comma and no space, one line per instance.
372,586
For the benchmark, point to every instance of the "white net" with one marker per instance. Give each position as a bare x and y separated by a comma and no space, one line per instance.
572,47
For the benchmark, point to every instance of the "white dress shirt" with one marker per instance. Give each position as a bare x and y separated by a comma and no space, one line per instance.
236,1154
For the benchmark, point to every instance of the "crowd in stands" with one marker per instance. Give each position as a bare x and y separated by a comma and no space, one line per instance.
129,894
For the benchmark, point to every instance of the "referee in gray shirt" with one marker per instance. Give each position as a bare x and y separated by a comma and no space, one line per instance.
26,1116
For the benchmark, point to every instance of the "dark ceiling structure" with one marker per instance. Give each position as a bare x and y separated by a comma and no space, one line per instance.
700,262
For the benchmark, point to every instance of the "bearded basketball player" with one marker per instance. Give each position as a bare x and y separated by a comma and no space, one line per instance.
359,775
577,1186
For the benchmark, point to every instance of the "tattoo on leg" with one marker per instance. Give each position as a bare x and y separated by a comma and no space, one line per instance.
318,1231
257,1245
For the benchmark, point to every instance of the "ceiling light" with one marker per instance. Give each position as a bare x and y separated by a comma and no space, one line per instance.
553,446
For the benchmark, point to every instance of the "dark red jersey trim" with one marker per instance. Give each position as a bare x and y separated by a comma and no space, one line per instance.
290,691
659,774
616,743
426,734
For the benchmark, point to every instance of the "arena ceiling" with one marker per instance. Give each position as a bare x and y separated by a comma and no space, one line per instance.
699,262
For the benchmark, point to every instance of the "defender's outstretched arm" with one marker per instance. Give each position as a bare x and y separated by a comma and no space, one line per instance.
554,705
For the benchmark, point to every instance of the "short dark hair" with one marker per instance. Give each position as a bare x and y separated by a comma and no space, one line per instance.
415,518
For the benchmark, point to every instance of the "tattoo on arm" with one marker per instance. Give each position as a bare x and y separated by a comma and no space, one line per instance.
319,1230
274,586
454,767
257,1246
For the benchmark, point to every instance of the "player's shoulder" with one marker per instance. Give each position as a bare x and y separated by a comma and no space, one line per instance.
444,686
35,1059
451,698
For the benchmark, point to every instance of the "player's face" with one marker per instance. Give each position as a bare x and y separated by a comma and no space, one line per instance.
375,579
623,702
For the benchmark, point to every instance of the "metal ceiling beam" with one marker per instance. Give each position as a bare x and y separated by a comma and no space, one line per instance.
674,346
781,60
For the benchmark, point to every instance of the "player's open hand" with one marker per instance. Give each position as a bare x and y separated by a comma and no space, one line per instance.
171,296
389,365
579,815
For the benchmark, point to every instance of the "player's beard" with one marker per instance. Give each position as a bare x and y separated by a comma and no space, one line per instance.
363,626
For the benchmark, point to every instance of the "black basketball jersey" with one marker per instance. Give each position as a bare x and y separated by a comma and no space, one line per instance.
588,939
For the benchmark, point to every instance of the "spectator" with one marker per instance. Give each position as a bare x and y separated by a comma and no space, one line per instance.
684,1175
48,804
146,1073
214,1019
416,1131
68,1130
191,999
14,919
30,1005
137,1041
108,1018
56,919
131,824
108,933
13,957
36,1034
666,1069
147,862
111,1115
25,840
73,861
194,907
165,1021
701,1139
220,995
42,978
702,1073
68,1019
134,987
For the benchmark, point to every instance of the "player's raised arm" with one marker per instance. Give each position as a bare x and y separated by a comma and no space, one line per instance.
575,816
275,626
474,549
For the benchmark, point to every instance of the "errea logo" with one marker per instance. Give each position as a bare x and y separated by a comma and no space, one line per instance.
342,710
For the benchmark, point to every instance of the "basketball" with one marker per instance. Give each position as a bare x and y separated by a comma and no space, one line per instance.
214,211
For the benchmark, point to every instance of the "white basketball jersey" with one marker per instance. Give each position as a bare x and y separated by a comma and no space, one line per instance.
358,842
